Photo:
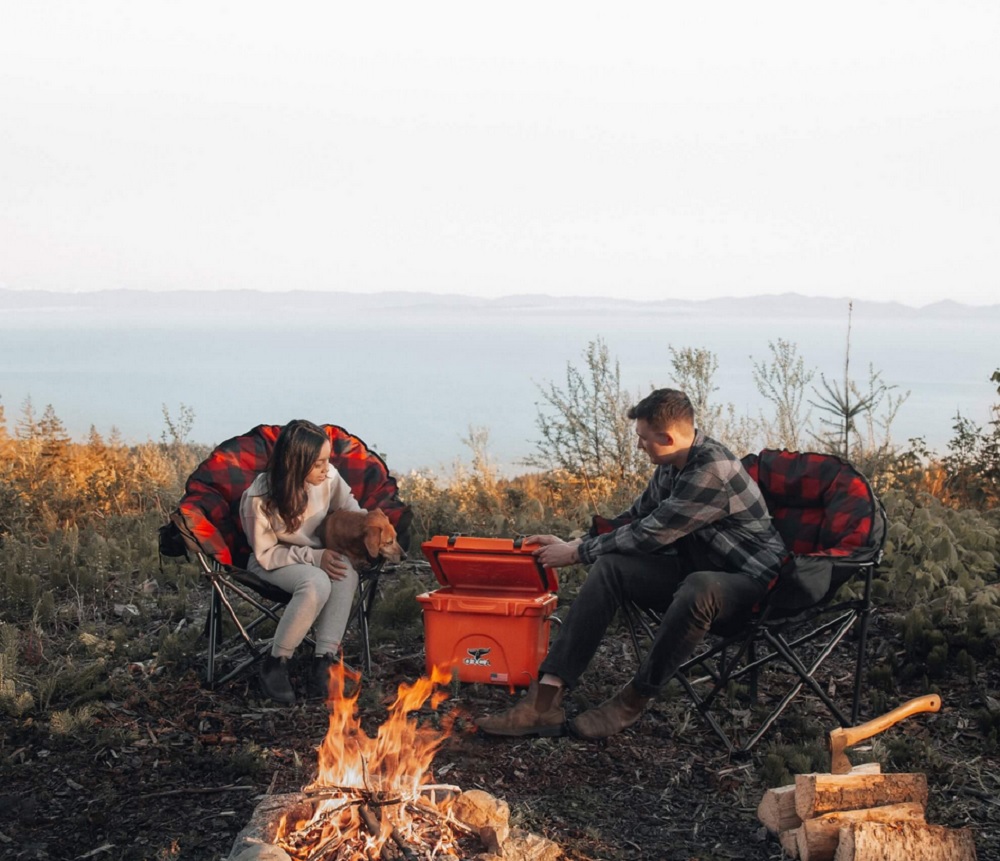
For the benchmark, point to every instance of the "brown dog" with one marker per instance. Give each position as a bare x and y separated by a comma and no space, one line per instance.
362,538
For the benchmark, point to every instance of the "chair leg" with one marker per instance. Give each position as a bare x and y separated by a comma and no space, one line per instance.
214,612
366,656
367,586
221,587
866,612
704,709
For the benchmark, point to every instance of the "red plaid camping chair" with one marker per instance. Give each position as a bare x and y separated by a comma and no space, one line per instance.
834,528
207,522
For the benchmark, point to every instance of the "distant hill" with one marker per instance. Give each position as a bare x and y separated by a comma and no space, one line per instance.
195,306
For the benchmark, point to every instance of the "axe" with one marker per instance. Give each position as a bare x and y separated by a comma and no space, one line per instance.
844,737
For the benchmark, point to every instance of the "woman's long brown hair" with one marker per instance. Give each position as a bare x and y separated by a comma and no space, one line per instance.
295,451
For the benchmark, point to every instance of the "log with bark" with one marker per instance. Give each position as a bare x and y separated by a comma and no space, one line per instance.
789,841
817,839
776,810
828,793
904,841
860,816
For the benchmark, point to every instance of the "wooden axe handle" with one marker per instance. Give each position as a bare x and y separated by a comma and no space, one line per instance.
847,736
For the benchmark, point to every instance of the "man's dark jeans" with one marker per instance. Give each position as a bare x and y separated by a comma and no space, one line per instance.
690,602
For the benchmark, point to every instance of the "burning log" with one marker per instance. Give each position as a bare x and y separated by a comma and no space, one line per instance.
375,828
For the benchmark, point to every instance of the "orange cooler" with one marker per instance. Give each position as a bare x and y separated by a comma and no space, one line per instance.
489,622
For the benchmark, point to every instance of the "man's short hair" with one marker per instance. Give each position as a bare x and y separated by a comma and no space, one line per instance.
664,408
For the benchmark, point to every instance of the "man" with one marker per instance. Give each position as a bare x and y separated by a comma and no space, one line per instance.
698,547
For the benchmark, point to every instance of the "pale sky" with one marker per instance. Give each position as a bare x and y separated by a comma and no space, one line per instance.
646,150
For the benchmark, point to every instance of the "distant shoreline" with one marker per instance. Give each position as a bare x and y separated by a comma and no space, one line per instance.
412,377
126,300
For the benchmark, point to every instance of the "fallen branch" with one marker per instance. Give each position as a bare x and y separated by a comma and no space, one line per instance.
107,847
198,790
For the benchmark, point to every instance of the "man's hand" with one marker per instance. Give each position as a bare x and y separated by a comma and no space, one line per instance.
334,564
542,539
554,552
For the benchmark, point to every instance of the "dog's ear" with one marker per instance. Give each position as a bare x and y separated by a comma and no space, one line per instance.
373,539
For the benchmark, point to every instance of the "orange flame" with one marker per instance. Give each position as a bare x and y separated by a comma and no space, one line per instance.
357,774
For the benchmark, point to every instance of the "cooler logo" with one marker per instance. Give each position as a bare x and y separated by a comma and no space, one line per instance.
477,658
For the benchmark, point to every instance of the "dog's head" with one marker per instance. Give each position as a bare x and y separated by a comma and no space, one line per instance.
380,537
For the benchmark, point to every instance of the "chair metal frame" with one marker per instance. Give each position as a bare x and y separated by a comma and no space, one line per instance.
730,659
777,636
268,601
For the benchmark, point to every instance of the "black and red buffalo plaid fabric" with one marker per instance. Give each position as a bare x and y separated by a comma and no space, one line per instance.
828,517
820,504
211,502
825,512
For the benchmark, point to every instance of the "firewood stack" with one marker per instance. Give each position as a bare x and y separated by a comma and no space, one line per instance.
860,814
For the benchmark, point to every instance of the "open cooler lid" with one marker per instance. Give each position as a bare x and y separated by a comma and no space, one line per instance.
489,564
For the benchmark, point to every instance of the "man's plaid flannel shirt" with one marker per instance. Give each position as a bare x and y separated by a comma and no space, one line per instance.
713,499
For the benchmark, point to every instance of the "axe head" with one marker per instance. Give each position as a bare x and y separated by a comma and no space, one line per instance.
836,743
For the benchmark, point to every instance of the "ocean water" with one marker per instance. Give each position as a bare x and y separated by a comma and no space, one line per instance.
412,380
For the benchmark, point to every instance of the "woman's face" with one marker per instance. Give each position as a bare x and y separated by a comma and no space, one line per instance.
317,475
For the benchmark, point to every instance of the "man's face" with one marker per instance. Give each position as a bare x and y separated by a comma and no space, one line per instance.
659,445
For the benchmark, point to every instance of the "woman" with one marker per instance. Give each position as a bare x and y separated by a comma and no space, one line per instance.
281,513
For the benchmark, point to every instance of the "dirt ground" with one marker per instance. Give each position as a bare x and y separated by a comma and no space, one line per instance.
168,769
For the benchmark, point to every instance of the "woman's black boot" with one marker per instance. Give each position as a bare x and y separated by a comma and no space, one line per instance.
319,675
274,681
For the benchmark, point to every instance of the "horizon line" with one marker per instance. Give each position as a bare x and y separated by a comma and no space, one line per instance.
490,299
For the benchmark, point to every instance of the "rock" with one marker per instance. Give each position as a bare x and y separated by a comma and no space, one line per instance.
487,815
263,852
259,831
525,846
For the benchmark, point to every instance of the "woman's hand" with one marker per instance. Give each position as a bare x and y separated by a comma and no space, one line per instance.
334,564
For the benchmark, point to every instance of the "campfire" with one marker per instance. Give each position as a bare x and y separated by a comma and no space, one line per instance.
374,797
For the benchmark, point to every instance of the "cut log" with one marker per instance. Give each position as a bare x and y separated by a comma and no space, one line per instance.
827,793
866,768
906,841
818,838
776,810
789,841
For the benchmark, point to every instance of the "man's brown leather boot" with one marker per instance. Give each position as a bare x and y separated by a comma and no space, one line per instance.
611,716
525,718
